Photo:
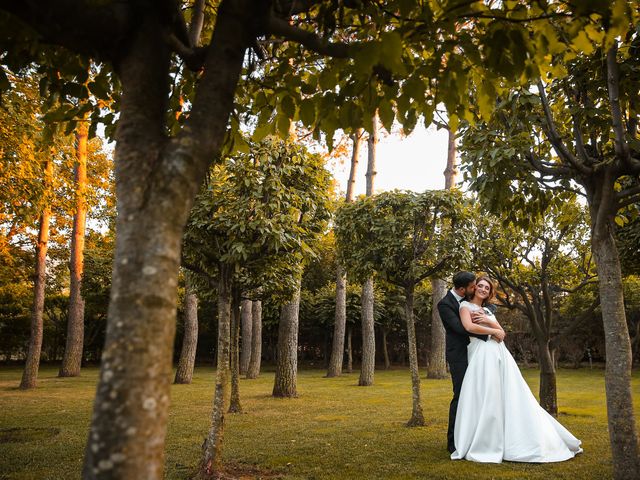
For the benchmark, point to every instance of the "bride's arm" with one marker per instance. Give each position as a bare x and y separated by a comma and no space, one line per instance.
469,326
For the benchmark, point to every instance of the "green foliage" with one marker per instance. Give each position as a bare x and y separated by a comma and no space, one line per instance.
403,236
261,213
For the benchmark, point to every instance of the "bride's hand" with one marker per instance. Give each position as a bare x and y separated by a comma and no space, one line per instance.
499,335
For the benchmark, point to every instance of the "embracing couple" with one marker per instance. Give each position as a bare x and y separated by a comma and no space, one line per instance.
493,415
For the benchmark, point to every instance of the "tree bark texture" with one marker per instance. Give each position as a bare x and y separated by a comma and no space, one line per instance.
385,350
184,372
285,384
234,405
72,359
372,144
247,326
451,170
349,349
621,419
156,182
337,350
253,371
437,365
30,373
368,336
211,463
548,392
417,417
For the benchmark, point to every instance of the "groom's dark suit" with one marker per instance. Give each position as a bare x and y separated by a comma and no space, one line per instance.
457,341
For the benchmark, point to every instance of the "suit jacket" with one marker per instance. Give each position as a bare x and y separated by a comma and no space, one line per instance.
457,336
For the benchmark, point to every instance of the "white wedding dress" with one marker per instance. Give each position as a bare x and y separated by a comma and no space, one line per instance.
498,417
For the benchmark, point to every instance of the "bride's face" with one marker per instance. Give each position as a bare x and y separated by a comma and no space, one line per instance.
483,289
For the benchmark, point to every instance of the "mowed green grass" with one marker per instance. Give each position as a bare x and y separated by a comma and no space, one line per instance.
334,430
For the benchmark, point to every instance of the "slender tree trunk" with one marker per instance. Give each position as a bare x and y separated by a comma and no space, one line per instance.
157,180
337,350
368,366
184,372
285,384
548,392
417,417
437,365
385,350
372,144
247,325
349,349
622,423
211,462
72,359
30,373
256,340
235,406
451,171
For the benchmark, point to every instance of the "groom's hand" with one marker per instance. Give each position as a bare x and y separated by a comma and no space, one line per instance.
479,317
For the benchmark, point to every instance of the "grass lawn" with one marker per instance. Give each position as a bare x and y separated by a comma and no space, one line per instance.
334,430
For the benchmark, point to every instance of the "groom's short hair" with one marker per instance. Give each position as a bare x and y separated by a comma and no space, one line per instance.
462,279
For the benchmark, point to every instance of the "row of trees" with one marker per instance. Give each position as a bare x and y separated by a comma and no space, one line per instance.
328,66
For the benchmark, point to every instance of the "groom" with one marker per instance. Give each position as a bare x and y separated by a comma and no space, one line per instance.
464,286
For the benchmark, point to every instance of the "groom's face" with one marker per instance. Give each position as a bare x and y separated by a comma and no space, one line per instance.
470,289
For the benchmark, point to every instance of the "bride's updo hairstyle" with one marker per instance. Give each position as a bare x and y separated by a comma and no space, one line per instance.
492,288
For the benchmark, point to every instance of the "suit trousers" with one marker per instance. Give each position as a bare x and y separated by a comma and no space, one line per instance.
457,370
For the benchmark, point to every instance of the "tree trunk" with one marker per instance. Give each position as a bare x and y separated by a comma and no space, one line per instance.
211,463
417,417
368,336
256,340
184,372
451,171
72,359
337,350
548,392
247,325
385,350
30,373
372,144
349,349
285,384
156,183
437,365
235,406
621,419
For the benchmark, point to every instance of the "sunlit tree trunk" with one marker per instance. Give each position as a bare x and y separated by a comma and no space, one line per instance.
247,327
72,358
285,383
30,373
256,340
184,372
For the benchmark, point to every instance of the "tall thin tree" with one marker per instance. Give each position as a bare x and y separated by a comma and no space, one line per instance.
368,364
30,373
337,350
246,336
256,340
184,372
72,359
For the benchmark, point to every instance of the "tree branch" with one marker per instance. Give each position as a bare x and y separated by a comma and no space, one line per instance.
279,27
197,21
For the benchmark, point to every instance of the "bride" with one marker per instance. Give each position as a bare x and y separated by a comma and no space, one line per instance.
498,417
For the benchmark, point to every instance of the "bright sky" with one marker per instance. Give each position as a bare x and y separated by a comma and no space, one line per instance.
416,162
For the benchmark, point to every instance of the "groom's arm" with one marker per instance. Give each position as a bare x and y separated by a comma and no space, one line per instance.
451,318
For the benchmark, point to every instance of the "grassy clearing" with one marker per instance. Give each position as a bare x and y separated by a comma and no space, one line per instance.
334,430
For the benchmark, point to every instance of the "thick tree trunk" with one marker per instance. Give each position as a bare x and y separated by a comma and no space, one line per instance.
349,349
234,404
548,392
156,182
368,366
337,350
72,359
417,417
184,372
285,383
247,326
385,349
622,423
256,340
437,365
30,373
211,463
